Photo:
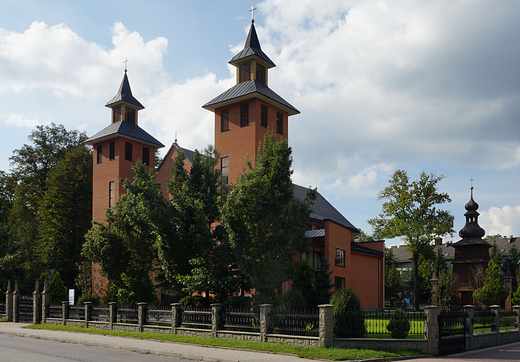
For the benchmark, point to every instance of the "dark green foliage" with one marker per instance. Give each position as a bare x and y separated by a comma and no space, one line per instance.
349,320
303,282
496,256
238,302
322,286
57,290
510,263
110,295
399,325
293,300
89,297
195,301
135,290
493,292
392,276
516,297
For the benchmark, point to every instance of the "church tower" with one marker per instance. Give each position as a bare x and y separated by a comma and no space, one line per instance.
248,110
117,148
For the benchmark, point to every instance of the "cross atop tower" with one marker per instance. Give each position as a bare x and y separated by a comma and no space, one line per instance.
126,62
252,11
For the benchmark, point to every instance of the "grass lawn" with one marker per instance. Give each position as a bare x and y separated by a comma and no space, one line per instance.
377,326
334,354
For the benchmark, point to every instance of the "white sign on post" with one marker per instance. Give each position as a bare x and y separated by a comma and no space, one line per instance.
71,296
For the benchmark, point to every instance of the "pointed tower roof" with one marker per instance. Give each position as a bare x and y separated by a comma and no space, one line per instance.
471,233
125,129
252,49
124,95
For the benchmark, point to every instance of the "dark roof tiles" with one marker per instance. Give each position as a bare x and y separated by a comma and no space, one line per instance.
252,48
125,129
125,95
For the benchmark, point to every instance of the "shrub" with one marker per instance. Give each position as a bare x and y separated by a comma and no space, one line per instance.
349,320
195,301
57,289
88,297
293,300
399,325
238,301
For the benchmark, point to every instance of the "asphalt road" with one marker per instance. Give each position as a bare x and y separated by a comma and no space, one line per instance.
507,352
14,348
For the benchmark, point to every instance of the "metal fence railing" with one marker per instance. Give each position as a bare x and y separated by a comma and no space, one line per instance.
160,316
2,308
100,314
296,323
127,315
245,320
55,311
377,322
507,320
77,312
483,322
196,318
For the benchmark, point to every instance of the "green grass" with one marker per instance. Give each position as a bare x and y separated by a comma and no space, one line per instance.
376,326
334,354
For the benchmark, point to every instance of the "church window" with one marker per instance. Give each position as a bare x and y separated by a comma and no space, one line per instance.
263,116
130,115
339,282
146,156
260,73
224,120
112,150
116,115
279,122
128,151
340,258
244,72
244,115
99,154
111,194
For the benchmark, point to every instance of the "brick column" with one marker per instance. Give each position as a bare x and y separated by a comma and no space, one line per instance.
16,298
142,317
495,309
431,329
9,303
265,320
88,312
46,298
470,310
516,311
65,311
176,317
36,303
216,318
326,325
112,316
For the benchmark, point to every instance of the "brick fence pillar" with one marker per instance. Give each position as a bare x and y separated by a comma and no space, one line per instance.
431,329
495,309
326,325
112,314
16,305
9,303
216,318
468,324
88,312
65,311
142,315
265,320
46,299
36,303
176,317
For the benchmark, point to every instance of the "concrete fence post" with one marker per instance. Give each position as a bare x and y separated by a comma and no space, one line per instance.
46,298
65,311
37,310
88,312
176,317
112,314
142,315
495,309
9,303
470,311
216,318
16,305
265,321
431,329
326,317
516,317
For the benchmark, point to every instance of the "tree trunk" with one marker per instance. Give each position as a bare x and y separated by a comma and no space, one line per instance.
415,259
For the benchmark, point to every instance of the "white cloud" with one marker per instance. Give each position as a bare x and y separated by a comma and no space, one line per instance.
504,221
20,121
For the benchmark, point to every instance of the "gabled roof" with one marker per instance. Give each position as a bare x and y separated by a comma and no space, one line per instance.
246,90
322,210
124,95
190,155
125,129
251,49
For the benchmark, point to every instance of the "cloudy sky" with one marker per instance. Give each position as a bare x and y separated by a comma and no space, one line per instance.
381,85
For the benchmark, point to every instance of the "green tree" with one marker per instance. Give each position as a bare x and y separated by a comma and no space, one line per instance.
510,262
349,321
65,212
57,290
392,276
410,212
266,224
496,256
303,281
322,285
493,291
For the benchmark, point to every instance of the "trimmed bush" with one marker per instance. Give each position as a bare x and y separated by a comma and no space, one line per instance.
57,290
399,325
293,300
195,301
349,319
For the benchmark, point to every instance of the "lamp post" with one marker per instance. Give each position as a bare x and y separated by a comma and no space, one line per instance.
507,283
434,281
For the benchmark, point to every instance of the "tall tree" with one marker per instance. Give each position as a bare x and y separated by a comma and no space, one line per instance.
494,290
496,256
392,276
510,262
410,212
266,224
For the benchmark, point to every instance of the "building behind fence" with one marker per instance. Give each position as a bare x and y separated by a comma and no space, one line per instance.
432,331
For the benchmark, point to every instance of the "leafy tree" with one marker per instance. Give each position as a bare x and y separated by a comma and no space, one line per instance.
363,237
392,276
444,289
65,212
496,256
303,281
410,212
493,291
322,285
266,224
510,262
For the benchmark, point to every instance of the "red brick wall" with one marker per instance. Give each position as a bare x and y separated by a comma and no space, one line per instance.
367,279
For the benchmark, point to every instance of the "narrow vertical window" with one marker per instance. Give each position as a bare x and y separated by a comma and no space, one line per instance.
112,154
263,116
99,154
128,151
244,72
244,115
224,120
224,166
130,115
111,194
116,115
146,156
339,282
340,257
279,122
260,73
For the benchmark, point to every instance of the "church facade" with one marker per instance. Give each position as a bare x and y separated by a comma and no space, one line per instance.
244,114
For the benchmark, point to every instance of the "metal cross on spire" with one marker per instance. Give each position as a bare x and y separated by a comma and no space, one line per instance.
471,188
126,62
252,11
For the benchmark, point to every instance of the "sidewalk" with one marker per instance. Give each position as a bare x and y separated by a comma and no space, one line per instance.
168,349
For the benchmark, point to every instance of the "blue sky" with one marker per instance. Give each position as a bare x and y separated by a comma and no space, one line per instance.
381,86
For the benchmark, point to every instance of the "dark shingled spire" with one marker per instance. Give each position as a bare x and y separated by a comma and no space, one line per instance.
125,95
251,49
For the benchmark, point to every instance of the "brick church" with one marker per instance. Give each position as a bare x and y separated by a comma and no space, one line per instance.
243,116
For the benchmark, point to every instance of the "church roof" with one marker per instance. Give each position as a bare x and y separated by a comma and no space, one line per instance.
125,129
322,210
125,95
246,90
190,155
251,49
